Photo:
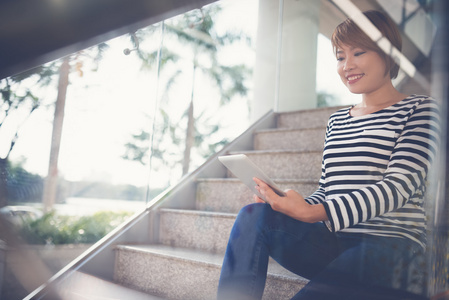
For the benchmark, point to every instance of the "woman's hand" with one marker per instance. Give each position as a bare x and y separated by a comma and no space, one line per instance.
293,204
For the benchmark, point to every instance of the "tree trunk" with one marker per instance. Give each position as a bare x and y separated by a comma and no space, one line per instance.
190,132
51,182
3,182
189,139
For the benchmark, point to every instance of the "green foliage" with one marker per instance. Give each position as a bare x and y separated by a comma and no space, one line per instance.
58,229
18,94
325,99
22,186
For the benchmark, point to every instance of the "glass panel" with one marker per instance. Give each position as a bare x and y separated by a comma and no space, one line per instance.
119,134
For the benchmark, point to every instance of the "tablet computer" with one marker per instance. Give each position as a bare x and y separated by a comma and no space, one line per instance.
244,169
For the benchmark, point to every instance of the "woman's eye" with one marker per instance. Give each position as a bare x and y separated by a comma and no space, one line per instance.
340,58
360,53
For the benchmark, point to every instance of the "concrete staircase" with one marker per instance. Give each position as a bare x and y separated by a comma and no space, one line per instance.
186,262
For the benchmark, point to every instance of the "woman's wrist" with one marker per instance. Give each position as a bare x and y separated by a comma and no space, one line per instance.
315,213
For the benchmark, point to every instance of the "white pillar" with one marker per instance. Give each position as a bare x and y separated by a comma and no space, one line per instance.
299,54
286,81
266,52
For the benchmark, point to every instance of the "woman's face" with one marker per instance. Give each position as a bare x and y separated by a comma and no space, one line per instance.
361,71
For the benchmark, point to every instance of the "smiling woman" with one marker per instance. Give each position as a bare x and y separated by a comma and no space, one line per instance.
363,231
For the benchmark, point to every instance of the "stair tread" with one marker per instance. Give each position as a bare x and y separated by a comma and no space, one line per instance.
275,151
236,180
288,129
82,286
199,212
203,257
316,109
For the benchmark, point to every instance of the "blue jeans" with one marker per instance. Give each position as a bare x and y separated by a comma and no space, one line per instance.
338,265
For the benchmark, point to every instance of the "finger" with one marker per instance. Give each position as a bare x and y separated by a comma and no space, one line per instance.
266,191
261,192
262,187
260,182
257,199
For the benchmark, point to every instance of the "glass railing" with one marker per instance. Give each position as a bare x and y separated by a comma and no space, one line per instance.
89,139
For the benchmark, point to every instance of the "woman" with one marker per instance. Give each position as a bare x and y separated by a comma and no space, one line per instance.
361,235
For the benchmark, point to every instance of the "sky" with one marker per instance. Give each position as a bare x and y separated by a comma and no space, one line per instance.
104,108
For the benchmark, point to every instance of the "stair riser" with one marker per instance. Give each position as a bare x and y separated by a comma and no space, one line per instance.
300,140
306,118
195,230
230,195
173,278
166,277
288,165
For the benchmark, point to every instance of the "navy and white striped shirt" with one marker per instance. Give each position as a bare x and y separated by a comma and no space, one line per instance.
375,166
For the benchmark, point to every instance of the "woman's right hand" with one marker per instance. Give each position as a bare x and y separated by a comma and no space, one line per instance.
292,204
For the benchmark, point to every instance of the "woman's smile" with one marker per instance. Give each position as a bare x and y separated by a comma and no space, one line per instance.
353,78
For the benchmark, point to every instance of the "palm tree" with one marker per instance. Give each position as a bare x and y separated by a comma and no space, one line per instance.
196,34
14,97
51,183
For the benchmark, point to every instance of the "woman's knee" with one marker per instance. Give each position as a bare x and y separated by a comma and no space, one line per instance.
253,208
251,215
253,211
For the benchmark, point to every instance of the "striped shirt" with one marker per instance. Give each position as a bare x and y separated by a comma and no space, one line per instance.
374,169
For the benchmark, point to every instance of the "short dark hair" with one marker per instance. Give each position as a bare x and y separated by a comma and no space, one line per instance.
348,33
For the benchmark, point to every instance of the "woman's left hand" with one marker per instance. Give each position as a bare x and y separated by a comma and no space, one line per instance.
292,204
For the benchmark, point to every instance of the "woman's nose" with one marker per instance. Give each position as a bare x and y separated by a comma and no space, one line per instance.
348,65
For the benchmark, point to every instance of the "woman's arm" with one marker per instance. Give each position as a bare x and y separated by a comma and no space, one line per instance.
406,172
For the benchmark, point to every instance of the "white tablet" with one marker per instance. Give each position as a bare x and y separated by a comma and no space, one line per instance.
242,167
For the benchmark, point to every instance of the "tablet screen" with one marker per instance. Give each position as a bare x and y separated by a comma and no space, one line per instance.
245,169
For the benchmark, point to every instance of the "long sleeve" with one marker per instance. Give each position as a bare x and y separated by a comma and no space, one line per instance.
319,195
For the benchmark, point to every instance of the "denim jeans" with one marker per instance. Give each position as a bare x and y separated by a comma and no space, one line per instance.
338,265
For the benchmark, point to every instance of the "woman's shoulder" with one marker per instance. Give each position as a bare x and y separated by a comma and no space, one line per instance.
339,115
419,99
425,108
419,102
415,103
341,112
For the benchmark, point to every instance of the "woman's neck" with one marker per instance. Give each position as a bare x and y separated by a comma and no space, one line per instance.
382,97
377,100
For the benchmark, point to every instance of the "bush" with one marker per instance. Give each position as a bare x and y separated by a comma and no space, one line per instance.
21,185
59,229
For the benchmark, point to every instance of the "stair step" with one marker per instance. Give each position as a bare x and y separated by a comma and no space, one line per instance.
208,231
230,194
310,118
284,139
82,286
176,273
281,164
